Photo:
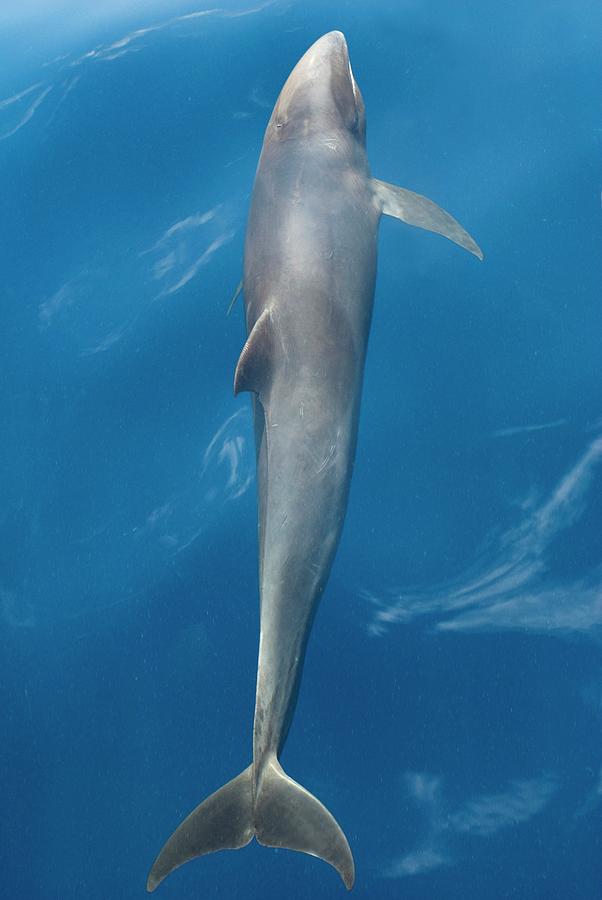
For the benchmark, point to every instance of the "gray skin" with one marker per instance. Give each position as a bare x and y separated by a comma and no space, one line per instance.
310,267
309,273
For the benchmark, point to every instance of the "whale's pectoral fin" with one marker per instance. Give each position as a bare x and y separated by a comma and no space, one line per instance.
224,821
417,210
253,366
286,815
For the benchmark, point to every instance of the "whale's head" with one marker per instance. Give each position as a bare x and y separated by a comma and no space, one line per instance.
321,94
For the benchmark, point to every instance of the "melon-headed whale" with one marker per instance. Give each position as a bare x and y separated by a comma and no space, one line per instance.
309,273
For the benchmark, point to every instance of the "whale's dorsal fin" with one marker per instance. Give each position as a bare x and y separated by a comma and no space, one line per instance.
414,209
253,365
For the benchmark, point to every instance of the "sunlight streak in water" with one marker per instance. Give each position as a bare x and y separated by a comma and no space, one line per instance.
482,816
226,473
205,257
8,101
177,254
66,296
106,52
29,112
512,588
527,429
119,47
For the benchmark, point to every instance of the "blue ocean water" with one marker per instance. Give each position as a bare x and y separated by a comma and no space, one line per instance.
450,713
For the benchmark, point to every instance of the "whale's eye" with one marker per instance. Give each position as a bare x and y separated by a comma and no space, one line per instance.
280,124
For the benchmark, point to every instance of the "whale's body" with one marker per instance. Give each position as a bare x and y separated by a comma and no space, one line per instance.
309,274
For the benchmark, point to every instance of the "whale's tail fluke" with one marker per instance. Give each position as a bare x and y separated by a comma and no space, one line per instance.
284,815
224,821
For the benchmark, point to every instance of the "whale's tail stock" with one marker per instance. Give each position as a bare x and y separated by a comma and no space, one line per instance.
283,814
